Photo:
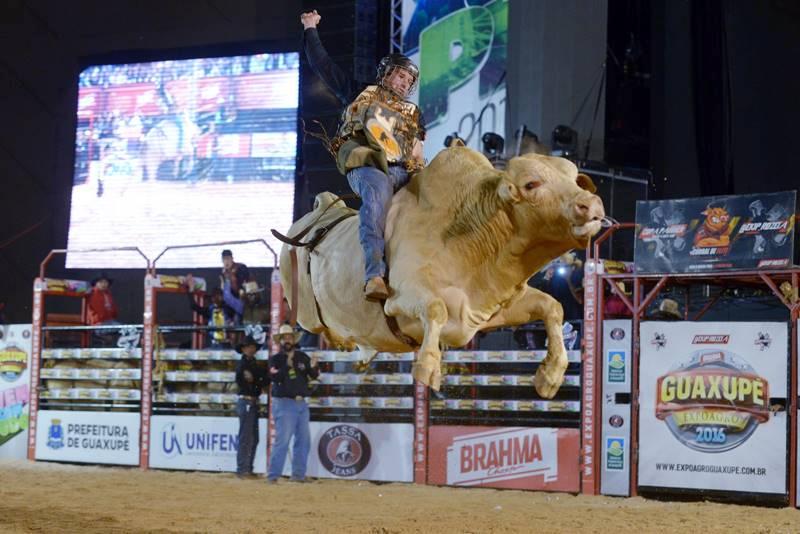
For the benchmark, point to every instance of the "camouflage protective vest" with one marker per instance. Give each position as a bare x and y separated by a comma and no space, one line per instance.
377,129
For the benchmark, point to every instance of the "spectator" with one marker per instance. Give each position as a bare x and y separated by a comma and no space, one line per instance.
614,307
236,273
251,307
290,371
217,313
101,305
251,380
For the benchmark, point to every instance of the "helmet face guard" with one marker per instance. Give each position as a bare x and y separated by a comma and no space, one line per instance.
388,65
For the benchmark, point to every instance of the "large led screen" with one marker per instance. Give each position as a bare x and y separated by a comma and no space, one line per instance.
184,152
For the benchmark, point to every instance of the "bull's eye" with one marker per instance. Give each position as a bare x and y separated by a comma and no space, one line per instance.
533,184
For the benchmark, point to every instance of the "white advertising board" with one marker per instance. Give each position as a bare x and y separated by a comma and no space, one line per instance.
705,415
363,451
15,363
88,437
201,443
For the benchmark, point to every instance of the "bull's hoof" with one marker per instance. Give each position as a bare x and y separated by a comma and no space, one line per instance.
361,367
547,386
429,374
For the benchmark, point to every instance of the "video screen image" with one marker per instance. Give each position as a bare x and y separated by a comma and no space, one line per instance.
184,152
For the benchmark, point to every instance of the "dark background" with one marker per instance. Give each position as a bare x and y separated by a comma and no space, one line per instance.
703,93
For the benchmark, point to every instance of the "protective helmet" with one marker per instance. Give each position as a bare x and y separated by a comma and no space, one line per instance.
393,61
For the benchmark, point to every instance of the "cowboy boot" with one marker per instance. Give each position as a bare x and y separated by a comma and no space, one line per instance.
376,290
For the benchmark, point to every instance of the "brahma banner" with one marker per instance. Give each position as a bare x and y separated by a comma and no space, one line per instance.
715,233
360,451
460,48
706,419
201,443
15,361
497,457
88,437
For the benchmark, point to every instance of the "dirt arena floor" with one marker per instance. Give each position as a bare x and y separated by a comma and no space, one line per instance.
45,497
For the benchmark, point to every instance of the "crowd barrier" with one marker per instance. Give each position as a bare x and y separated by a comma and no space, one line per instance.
619,425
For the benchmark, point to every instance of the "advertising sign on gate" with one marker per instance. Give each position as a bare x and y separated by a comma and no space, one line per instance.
705,416
360,451
616,410
715,233
510,457
15,360
201,443
88,437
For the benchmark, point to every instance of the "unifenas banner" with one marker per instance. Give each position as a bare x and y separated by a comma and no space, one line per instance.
512,457
705,412
715,233
460,48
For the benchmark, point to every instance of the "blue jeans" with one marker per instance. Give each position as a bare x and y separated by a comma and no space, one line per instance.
248,435
291,419
376,190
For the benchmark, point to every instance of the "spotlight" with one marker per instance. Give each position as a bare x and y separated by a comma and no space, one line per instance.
565,141
561,270
493,145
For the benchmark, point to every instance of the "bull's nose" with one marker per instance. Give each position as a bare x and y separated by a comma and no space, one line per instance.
590,209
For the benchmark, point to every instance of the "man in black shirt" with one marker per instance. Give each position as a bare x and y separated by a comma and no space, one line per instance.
290,371
251,379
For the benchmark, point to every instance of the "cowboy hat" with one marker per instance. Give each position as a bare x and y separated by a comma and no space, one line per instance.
247,341
251,287
668,309
286,329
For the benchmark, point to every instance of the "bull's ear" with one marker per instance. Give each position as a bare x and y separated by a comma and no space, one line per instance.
584,182
508,191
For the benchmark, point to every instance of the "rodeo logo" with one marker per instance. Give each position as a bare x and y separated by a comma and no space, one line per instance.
714,402
55,434
13,362
170,443
344,450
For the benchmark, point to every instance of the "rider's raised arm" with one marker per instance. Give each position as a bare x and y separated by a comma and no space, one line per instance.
334,77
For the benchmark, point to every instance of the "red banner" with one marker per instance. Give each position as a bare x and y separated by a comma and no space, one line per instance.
233,146
134,99
200,94
270,90
497,457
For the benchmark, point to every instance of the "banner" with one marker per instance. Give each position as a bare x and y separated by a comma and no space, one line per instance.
88,437
201,443
616,411
715,233
705,418
15,361
461,52
360,451
512,457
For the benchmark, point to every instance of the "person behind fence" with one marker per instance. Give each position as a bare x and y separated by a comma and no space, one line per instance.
290,373
102,309
217,313
250,306
233,272
252,380
377,145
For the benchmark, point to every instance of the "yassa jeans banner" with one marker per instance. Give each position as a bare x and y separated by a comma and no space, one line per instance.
705,415
88,437
201,443
360,451
499,457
